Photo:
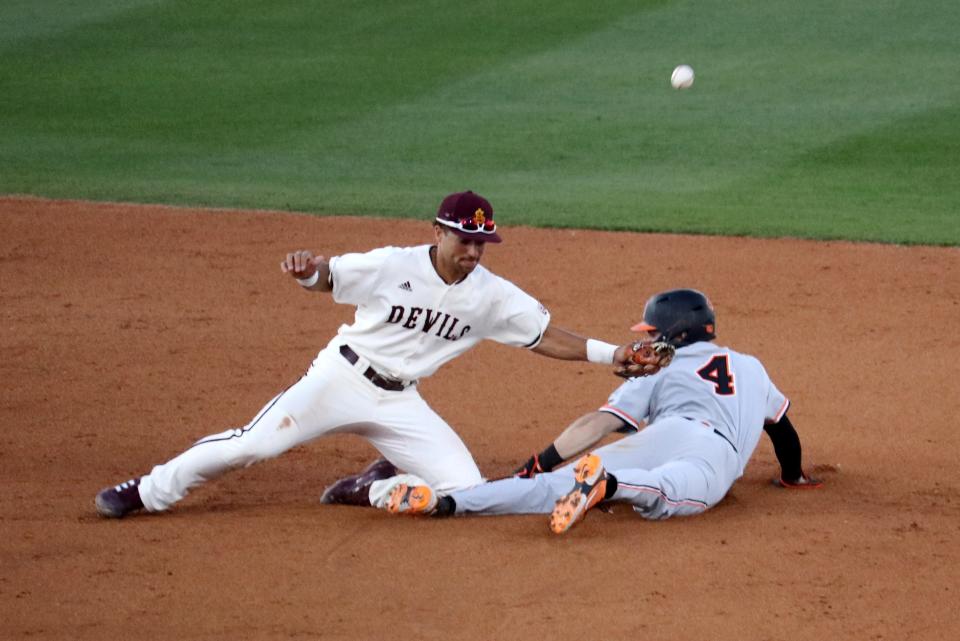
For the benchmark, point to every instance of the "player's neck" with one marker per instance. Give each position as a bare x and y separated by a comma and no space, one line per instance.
448,273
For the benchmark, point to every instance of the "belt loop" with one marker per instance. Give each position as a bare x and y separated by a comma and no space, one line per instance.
348,354
353,358
363,366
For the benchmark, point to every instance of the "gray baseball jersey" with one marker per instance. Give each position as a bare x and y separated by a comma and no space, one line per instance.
718,386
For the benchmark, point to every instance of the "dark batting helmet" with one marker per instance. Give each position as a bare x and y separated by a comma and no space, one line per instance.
681,316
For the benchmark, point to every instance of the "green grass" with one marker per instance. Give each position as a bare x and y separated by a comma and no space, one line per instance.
818,119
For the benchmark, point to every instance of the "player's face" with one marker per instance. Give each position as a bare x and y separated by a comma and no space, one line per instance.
460,255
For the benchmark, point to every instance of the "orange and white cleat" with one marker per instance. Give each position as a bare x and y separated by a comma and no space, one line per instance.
589,489
412,499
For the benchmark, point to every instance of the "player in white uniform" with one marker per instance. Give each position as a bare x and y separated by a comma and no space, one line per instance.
416,309
704,415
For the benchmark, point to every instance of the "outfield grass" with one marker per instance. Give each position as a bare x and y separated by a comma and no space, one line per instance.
816,119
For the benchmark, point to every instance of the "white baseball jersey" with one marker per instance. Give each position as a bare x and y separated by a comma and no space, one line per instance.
409,321
728,391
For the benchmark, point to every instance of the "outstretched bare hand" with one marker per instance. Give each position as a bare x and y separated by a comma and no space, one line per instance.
301,264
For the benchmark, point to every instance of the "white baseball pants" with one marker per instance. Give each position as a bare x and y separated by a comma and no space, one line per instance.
332,398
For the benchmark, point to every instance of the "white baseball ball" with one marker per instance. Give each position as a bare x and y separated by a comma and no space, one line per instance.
682,77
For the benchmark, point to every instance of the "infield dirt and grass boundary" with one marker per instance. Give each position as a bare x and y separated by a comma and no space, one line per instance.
130,331
816,119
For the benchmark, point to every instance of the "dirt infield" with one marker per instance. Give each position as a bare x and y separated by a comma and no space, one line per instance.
128,332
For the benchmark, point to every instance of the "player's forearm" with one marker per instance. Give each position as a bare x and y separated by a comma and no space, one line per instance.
563,344
585,432
786,445
580,435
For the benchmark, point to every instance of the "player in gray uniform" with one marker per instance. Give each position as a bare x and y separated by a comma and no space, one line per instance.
704,416
416,309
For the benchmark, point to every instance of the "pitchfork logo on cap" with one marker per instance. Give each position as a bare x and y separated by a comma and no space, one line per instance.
469,215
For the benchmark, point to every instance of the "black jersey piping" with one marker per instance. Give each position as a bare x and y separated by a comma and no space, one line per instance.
246,429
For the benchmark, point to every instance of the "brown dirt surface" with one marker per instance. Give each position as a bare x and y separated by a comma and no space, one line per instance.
130,331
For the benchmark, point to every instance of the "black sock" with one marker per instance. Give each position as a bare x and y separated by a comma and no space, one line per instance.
611,487
446,506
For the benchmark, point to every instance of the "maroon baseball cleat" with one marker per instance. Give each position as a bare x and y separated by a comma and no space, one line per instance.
118,501
355,489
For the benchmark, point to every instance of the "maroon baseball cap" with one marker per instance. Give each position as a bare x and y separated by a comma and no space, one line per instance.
468,215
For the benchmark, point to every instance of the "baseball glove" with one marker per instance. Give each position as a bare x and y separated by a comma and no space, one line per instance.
545,461
529,469
646,358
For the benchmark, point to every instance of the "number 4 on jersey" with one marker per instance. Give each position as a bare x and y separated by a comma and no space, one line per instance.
717,371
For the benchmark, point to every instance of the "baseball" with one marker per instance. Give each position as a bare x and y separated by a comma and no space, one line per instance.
682,77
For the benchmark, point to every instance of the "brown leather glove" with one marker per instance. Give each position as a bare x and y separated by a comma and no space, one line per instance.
545,461
644,358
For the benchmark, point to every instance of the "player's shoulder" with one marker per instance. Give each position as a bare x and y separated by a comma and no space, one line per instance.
412,254
412,250
709,349
745,362
380,259
498,290
376,252
699,349
494,288
486,278
742,357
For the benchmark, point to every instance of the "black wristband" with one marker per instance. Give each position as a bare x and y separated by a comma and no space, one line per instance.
549,458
